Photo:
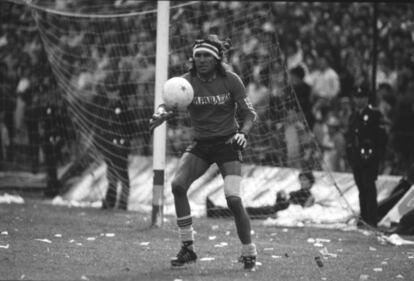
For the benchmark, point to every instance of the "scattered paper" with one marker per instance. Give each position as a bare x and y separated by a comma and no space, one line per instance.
377,269
4,232
212,237
207,259
222,244
110,234
324,252
322,240
9,199
4,246
91,238
44,240
144,243
372,249
58,235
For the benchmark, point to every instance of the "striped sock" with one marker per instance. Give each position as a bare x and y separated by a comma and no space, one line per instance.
249,250
186,231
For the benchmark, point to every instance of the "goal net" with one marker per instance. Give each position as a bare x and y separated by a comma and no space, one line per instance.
103,60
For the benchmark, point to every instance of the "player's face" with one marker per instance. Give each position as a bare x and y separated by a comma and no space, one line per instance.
205,63
304,182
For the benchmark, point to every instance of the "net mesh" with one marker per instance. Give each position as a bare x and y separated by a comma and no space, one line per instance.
103,60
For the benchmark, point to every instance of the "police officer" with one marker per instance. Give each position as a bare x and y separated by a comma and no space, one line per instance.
365,147
53,139
113,135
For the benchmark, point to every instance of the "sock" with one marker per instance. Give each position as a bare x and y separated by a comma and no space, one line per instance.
186,231
249,250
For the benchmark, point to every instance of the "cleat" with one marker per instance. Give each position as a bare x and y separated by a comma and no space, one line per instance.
249,262
184,256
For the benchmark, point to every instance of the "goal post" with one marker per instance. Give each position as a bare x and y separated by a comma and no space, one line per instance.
160,133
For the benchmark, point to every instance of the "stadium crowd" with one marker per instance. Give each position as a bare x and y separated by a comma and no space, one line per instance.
327,46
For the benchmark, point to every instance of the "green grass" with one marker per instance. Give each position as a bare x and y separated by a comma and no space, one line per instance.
137,252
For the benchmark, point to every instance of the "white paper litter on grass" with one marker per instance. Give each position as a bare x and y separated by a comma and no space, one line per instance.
222,244
109,234
377,269
43,240
144,243
9,199
207,259
4,246
4,233
324,252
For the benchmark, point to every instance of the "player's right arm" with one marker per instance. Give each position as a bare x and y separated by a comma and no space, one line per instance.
163,113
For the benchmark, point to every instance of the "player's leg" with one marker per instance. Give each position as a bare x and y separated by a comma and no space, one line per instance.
231,172
189,169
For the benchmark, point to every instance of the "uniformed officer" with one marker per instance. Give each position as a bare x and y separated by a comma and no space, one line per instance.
53,139
365,147
113,140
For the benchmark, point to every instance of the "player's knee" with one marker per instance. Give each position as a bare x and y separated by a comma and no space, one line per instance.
232,186
178,189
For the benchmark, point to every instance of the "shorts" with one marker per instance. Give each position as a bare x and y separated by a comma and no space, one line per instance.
215,150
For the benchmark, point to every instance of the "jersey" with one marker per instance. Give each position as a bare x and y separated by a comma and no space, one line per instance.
215,104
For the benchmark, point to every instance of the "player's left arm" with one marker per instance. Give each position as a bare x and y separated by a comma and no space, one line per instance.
245,108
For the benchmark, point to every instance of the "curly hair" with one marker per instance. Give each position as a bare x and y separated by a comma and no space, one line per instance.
221,45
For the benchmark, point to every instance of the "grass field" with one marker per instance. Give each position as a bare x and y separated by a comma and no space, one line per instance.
39,241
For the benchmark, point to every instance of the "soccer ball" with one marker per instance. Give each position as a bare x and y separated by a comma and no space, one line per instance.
177,93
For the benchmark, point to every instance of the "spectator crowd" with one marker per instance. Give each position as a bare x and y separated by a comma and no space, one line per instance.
327,49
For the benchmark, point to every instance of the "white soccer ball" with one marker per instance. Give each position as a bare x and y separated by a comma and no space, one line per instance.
177,93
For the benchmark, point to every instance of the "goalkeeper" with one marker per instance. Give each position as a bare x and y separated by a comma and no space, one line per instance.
218,138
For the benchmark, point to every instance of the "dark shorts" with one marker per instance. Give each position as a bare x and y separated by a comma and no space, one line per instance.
215,150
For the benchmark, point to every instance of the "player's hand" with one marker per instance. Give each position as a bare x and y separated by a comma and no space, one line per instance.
239,141
160,116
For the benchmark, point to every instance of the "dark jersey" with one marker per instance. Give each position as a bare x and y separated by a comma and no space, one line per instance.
215,104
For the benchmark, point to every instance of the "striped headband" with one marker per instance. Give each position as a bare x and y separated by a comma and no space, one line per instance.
204,46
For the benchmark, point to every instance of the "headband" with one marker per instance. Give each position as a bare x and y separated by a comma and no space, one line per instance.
204,46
